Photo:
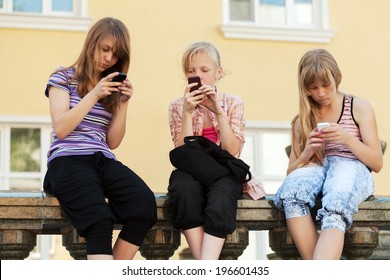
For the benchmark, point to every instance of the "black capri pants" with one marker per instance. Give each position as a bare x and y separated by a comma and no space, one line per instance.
214,206
83,183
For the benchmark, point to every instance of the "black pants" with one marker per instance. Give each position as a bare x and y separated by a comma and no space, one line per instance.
82,184
214,206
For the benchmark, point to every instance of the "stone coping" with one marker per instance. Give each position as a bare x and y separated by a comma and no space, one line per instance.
257,215
24,214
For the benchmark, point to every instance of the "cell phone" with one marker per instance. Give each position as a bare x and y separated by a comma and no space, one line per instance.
194,79
120,78
322,125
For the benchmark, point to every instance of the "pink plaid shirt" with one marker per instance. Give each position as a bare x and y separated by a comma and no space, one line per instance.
234,108
231,104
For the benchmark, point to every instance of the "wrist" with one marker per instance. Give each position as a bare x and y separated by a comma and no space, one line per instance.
93,96
187,114
220,114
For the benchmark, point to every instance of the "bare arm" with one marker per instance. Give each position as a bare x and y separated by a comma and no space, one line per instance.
229,141
65,120
117,128
368,151
299,157
183,125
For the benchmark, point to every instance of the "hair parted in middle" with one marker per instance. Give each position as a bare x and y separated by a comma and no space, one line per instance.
315,65
86,63
200,47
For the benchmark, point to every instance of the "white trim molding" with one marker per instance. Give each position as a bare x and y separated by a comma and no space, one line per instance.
19,119
43,22
268,125
75,20
277,34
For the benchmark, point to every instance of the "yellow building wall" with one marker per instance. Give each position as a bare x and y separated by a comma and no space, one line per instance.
263,73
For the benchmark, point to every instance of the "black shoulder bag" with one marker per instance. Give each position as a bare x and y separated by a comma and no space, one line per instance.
207,162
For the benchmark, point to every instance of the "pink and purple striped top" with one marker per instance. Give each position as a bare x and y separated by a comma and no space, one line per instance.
90,135
347,122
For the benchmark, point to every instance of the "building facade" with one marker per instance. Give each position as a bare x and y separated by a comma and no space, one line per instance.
260,42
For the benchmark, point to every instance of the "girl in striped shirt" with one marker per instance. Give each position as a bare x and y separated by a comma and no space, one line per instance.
88,112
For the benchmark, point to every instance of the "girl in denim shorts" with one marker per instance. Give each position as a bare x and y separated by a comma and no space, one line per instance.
333,163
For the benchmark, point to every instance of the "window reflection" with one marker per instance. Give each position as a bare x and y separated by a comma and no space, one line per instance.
264,152
62,5
30,6
25,150
241,10
303,11
37,6
272,11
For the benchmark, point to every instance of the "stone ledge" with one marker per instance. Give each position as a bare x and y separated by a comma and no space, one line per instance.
24,214
24,206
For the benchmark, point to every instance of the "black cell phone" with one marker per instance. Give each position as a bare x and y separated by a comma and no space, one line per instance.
194,79
120,78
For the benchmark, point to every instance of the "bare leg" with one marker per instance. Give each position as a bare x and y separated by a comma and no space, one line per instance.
124,250
211,247
194,237
304,235
99,257
330,245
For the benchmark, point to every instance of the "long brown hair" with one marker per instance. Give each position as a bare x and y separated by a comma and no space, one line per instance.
86,65
315,65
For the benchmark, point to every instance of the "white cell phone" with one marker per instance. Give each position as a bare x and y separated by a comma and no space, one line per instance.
322,125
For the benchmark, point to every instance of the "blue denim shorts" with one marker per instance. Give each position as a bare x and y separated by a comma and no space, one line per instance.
343,183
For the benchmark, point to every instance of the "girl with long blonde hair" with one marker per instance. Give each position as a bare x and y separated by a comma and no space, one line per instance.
333,163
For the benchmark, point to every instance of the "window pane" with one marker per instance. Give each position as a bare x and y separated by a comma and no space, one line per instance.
1,4
272,2
62,5
240,10
25,150
275,160
248,152
272,11
24,184
303,10
30,6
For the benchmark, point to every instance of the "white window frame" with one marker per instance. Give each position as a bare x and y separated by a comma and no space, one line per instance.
45,243
77,20
319,33
258,248
256,129
6,123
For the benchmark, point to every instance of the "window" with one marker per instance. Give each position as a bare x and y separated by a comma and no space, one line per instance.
43,7
45,14
23,147
24,142
279,20
264,152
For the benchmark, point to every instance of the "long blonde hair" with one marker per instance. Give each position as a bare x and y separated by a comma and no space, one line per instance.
315,65
86,65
